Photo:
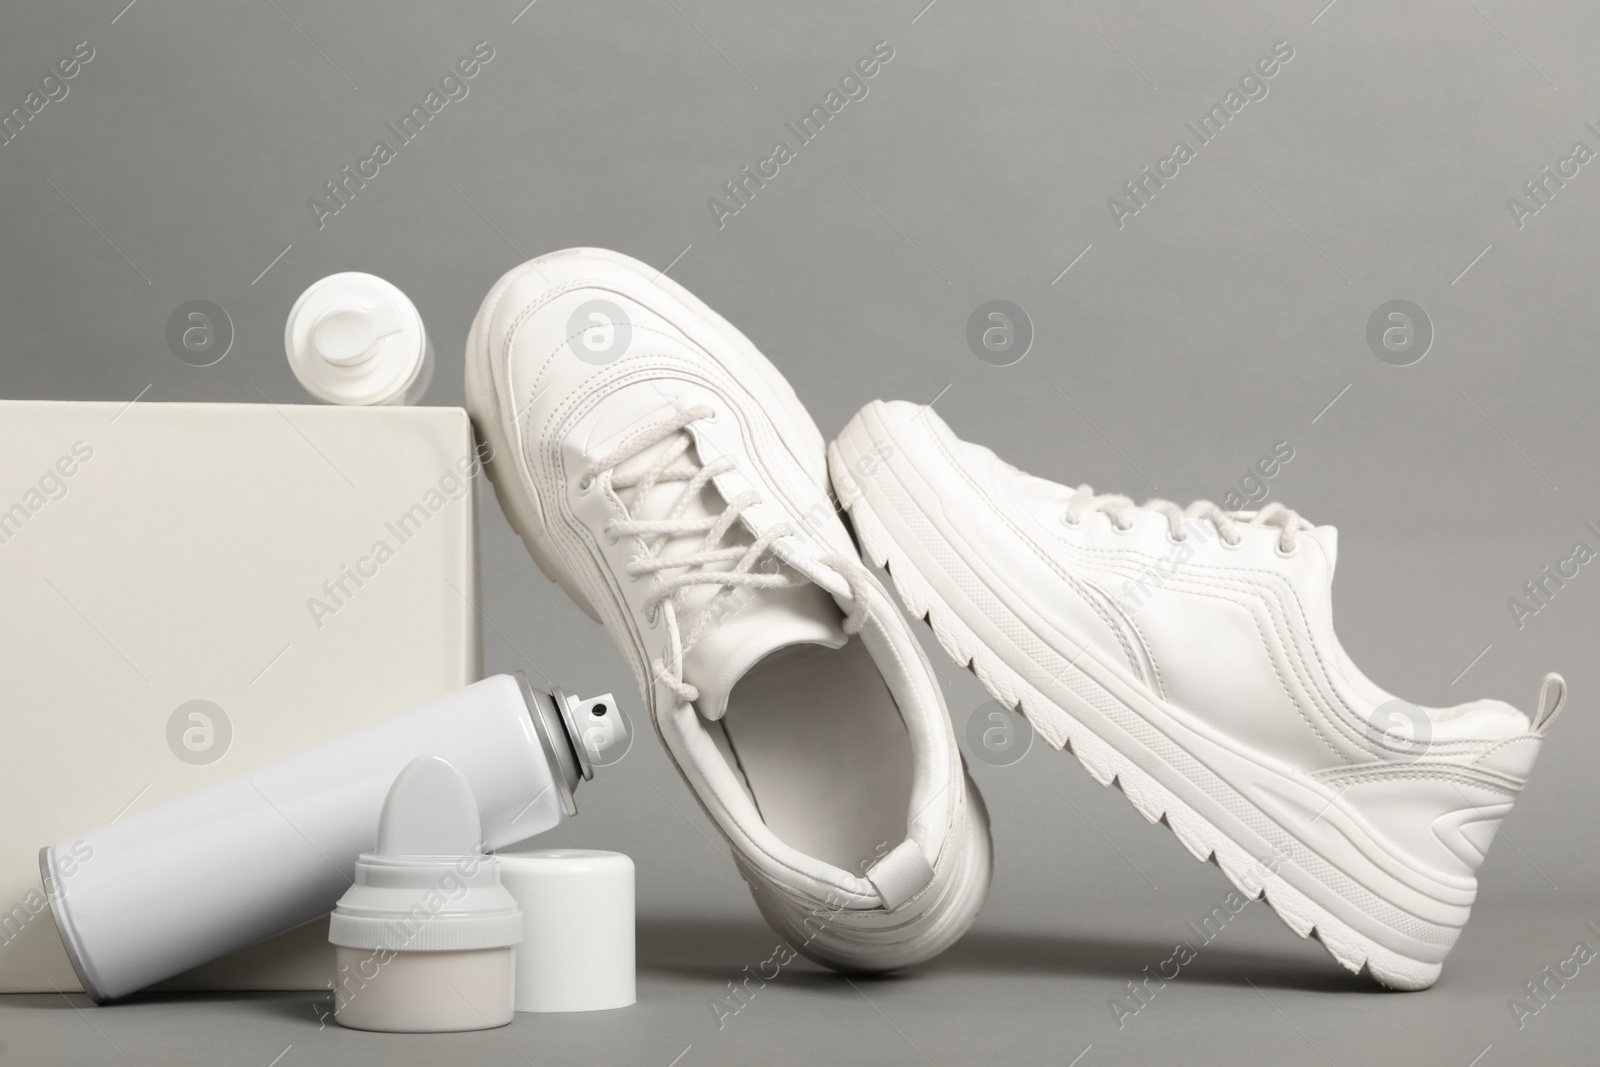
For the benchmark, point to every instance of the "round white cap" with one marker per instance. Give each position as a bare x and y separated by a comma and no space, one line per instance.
577,928
354,338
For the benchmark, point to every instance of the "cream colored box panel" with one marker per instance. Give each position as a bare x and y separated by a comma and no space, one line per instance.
193,590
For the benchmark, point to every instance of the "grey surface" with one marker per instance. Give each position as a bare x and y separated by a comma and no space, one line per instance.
1222,318
1026,995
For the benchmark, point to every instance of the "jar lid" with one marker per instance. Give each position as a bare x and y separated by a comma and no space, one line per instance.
578,928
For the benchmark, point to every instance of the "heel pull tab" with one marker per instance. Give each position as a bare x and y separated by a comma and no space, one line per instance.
1542,719
900,875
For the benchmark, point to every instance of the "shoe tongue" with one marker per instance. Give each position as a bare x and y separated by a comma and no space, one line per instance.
1329,536
747,624
645,405
756,625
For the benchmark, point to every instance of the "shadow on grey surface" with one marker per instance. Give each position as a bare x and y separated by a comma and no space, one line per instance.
717,950
41,1000
81,1001
1046,953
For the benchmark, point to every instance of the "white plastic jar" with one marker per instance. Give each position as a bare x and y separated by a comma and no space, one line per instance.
356,339
426,937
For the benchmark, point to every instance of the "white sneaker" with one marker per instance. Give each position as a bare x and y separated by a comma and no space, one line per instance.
1190,656
662,470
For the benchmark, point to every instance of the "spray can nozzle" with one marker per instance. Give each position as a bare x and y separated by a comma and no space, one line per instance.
575,731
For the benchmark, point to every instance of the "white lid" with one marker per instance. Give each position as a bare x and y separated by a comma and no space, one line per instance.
355,338
577,950
428,887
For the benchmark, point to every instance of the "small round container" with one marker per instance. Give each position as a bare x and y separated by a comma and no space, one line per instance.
356,339
426,937
577,951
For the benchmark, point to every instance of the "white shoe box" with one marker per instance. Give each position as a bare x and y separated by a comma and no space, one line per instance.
306,570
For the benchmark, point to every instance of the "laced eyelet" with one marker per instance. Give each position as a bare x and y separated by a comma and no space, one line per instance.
585,483
610,536
1119,529
1283,553
1069,522
1231,546
1174,539
654,619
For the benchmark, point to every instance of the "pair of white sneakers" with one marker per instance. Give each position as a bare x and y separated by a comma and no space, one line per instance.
664,473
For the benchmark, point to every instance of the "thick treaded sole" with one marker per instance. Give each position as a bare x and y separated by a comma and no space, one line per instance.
1199,834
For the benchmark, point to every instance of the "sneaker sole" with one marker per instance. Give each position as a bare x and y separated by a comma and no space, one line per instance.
1305,891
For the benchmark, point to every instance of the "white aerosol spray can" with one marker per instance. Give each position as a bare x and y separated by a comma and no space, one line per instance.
245,859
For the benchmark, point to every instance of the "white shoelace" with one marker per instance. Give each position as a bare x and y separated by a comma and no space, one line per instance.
675,464
1117,508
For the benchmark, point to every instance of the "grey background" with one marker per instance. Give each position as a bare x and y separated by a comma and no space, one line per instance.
1226,316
